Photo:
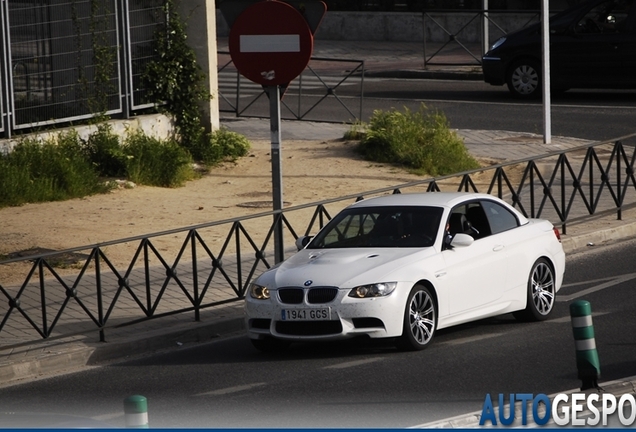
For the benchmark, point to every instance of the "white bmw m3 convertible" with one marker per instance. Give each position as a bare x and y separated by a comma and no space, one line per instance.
403,266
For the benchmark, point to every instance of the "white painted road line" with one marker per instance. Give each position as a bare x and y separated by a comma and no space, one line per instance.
353,363
470,339
612,282
229,390
568,319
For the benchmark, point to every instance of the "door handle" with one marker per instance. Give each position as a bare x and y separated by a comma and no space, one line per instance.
497,248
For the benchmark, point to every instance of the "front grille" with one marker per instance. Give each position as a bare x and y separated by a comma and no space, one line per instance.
308,328
321,295
291,295
314,295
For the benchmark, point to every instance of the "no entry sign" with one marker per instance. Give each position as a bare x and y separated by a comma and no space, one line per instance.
270,43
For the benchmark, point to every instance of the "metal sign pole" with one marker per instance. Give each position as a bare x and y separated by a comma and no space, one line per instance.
277,176
545,39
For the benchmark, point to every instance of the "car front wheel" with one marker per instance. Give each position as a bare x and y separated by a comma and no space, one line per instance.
524,79
541,292
420,320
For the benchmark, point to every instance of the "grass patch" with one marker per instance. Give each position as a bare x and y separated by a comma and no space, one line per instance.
154,162
71,167
421,141
103,150
47,171
222,145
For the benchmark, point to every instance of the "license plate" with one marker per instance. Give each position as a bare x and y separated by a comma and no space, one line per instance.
306,314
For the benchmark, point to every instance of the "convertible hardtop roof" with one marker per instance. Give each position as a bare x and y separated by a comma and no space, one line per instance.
434,199
437,199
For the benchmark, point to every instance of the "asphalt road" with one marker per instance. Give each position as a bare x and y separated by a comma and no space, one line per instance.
364,384
587,114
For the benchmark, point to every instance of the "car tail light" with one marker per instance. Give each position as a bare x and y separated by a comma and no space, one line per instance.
557,234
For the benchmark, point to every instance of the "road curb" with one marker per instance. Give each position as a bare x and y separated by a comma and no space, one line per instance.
85,354
426,74
583,241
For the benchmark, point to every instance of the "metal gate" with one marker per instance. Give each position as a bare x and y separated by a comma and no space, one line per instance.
317,84
64,61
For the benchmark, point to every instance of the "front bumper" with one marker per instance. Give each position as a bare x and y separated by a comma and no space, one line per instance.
378,317
494,70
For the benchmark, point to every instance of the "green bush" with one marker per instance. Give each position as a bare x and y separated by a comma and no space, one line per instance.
69,167
48,171
177,80
222,145
421,141
153,162
105,152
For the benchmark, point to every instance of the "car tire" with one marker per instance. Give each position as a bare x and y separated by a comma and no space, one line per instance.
541,293
420,320
270,344
524,79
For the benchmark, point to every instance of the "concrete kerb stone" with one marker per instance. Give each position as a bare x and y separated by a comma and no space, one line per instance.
159,341
462,74
74,355
580,242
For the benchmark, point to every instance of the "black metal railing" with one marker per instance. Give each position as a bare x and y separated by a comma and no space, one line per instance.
100,292
457,33
308,90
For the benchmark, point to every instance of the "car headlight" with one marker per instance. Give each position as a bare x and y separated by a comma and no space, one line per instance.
259,292
498,43
373,290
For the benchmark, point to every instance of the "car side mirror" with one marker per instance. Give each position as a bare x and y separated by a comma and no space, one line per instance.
462,240
302,241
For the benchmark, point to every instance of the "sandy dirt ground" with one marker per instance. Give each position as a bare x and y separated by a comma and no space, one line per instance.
312,171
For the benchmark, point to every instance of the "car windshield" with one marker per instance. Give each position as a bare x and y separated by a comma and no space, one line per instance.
405,226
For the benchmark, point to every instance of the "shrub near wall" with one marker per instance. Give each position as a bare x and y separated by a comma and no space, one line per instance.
155,162
53,170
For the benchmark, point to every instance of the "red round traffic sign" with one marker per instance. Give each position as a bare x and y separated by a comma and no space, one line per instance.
271,43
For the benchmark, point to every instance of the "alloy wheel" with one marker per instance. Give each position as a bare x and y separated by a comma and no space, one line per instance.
542,288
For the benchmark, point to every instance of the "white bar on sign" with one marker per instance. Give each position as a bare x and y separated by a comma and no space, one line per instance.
269,43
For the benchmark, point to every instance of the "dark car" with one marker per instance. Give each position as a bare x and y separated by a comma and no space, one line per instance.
592,45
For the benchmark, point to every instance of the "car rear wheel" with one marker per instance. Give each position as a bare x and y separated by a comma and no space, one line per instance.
541,292
524,79
270,344
420,320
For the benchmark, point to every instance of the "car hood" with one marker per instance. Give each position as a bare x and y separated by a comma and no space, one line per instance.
342,267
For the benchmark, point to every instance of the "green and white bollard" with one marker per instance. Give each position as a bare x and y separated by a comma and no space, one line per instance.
136,411
587,361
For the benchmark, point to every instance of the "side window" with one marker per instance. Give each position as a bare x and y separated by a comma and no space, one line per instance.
608,17
499,217
478,220
469,219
